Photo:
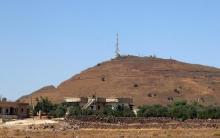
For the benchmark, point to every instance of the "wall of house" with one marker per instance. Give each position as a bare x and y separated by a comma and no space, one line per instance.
115,105
23,111
101,103
13,110
98,106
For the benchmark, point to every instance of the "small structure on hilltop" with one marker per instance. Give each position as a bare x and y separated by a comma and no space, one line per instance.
117,51
13,110
98,103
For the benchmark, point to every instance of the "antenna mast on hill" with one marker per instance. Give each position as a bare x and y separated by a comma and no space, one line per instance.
117,46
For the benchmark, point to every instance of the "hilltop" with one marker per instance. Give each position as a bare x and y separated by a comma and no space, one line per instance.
148,80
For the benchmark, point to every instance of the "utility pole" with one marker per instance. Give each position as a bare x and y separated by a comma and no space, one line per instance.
117,46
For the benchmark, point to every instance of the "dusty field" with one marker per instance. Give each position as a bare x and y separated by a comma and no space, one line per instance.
57,128
26,122
112,133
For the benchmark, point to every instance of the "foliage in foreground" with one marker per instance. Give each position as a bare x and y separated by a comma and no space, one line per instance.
44,105
180,110
63,109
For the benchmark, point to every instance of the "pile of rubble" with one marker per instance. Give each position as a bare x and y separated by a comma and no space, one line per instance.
123,123
126,120
117,123
62,126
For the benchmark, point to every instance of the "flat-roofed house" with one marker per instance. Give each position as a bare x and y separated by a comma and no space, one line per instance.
13,110
115,102
98,103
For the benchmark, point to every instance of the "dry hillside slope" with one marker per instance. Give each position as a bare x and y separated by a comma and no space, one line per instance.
147,80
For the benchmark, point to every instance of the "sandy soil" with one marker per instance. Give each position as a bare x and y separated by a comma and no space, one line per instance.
26,122
19,129
112,133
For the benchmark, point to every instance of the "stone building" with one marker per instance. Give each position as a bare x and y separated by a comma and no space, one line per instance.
13,110
98,103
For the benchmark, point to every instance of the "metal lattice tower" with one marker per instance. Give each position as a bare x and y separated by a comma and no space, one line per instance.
117,51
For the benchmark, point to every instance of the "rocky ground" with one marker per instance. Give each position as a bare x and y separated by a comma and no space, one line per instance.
112,133
138,123
102,128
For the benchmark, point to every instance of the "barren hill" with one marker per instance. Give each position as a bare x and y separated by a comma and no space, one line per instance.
147,80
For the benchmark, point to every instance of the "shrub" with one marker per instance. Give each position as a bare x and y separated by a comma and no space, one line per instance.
119,111
180,110
86,112
107,111
60,111
152,111
135,85
211,112
74,111
103,78
123,111
149,95
44,105
127,112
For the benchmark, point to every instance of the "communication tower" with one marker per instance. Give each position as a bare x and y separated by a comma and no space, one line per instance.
117,51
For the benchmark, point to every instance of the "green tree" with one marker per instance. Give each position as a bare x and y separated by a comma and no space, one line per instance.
86,112
179,110
44,105
74,111
153,111
60,111
122,111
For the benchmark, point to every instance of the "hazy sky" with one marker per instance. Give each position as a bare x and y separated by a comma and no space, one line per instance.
44,42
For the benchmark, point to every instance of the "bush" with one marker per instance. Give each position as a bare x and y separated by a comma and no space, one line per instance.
180,110
86,112
152,111
209,112
60,111
74,111
44,105
119,111
122,111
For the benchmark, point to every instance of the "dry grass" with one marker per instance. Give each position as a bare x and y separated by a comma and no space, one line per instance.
112,133
217,134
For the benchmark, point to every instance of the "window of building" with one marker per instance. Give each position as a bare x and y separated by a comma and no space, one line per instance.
6,111
11,112
92,107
